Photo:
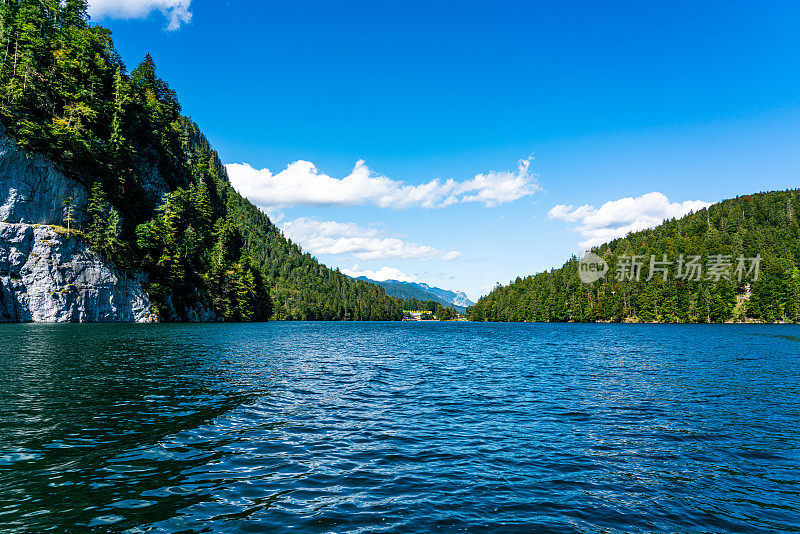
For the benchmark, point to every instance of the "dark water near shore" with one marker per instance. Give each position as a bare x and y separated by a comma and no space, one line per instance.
401,427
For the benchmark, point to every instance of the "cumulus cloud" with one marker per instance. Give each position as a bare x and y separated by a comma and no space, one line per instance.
569,213
177,12
302,183
617,218
382,274
331,237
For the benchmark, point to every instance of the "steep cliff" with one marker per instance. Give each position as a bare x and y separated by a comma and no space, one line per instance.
150,196
32,189
45,275
48,277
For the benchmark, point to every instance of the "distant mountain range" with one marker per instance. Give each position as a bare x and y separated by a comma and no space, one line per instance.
413,290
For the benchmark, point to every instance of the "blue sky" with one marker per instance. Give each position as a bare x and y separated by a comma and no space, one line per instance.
632,111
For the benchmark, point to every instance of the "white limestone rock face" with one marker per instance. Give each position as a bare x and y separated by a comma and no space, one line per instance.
43,275
46,277
33,190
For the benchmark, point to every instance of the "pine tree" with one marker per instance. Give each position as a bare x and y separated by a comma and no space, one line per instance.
96,214
69,213
74,13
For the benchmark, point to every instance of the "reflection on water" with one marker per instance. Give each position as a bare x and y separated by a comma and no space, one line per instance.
318,427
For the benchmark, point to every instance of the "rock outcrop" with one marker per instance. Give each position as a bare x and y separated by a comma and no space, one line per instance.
45,275
33,190
48,277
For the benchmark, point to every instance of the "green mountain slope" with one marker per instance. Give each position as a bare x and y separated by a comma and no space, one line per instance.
161,201
764,225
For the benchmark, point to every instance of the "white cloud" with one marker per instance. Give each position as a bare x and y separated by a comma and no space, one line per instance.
617,218
384,273
331,237
569,213
176,11
301,183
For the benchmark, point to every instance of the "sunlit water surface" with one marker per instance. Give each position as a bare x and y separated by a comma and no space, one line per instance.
399,427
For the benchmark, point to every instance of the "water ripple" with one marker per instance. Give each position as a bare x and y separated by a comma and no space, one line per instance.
315,427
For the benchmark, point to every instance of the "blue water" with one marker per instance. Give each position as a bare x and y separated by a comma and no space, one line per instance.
399,427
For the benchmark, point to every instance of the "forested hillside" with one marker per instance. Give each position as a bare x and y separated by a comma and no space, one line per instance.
160,200
764,225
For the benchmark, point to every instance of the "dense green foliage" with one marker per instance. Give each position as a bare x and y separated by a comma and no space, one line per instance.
160,198
446,314
765,224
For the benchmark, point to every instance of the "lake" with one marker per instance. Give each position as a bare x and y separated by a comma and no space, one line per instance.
399,427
